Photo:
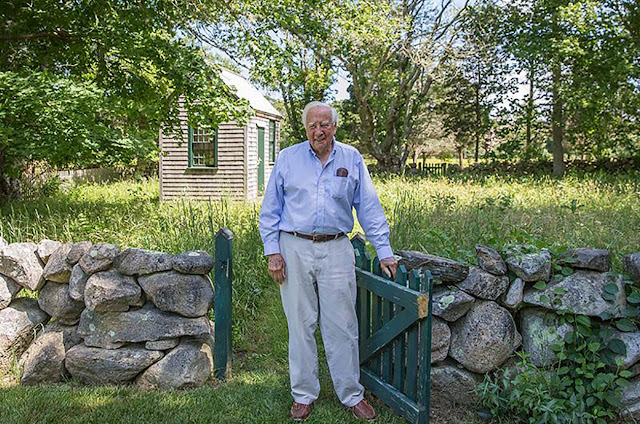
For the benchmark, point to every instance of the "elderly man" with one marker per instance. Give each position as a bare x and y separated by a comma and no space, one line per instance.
305,216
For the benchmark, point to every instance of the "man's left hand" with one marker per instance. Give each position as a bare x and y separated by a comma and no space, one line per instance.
389,266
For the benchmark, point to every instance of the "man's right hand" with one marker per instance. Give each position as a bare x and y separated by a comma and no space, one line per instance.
277,268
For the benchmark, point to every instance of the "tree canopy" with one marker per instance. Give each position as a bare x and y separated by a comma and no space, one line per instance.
94,81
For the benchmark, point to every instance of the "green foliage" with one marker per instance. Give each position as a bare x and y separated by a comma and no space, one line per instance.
584,385
269,39
93,82
579,57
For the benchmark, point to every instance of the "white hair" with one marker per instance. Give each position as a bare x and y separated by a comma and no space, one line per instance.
311,105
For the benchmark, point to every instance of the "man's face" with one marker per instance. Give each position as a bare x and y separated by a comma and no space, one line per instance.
320,129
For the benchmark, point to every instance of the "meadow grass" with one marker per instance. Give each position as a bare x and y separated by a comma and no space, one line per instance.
442,216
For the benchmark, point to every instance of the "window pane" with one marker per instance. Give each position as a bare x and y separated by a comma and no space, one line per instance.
203,147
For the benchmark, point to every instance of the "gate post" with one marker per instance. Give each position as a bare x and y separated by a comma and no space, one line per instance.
222,303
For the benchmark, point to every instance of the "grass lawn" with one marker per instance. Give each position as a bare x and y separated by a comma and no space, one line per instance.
441,216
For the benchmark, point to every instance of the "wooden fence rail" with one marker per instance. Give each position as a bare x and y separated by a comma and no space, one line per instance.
427,169
394,319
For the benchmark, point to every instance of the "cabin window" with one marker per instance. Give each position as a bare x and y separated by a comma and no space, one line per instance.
203,148
272,141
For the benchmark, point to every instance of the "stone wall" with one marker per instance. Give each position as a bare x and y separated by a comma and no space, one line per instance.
104,316
485,313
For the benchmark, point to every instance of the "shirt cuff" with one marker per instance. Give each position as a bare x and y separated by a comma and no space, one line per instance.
271,248
384,252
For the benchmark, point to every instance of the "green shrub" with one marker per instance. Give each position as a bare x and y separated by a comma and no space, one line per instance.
584,385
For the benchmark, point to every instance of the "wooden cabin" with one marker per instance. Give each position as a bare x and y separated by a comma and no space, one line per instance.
233,162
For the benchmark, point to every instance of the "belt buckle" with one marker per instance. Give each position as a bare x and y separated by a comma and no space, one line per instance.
314,238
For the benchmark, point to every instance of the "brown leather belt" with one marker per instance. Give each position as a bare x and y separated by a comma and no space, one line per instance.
316,238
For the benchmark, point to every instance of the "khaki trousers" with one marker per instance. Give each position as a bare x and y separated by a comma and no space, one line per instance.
321,284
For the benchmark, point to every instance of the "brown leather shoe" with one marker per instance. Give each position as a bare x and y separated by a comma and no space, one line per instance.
363,411
300,411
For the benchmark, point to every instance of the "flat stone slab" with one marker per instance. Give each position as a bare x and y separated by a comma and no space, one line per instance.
631,264
142,262
109,329
188,365
46,248
442,269
581,292
99,258
111,291
539,328
451,304
514,296
490,260
43,361
20,262
17,324
484,338
78,250
593,259
166,344
57,268
454,386
8,290
631,399
531,266
95,366
55,300
185,294
632,343
77,283
440,340
483,284
193,262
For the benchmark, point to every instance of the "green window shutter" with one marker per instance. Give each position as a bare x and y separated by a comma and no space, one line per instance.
190,147
215,149
272,140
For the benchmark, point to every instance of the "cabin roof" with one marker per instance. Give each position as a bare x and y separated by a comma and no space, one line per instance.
247,91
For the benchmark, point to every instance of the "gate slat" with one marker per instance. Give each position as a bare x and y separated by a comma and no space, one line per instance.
399,345
424,382
376,318
387,353
412,346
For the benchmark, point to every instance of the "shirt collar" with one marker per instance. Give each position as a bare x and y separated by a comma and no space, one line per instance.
333,152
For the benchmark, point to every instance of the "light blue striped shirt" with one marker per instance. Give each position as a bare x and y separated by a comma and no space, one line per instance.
304,196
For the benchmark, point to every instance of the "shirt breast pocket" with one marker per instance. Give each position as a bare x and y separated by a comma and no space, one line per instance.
342,188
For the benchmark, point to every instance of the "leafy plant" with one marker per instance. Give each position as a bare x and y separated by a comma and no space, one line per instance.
583,386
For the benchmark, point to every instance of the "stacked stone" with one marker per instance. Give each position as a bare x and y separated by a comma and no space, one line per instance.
117,316
483,314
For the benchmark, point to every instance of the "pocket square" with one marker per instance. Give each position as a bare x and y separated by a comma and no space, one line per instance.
342,172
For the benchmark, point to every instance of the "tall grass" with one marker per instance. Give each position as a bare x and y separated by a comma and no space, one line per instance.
449,216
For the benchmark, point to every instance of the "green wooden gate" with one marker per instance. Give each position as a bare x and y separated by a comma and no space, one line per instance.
394,319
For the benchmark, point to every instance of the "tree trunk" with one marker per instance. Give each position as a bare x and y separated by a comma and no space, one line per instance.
478,115
529,119
4,184
557,124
